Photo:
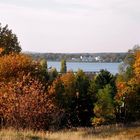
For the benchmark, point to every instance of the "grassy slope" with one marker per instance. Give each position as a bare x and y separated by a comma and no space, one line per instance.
111,132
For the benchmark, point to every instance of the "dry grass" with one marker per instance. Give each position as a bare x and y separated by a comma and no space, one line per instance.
111,132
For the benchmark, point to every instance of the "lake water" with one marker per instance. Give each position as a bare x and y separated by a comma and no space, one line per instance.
86,66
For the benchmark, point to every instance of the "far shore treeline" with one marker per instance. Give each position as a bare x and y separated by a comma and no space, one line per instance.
80,57
35,97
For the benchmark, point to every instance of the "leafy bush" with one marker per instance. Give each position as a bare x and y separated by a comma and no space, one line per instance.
24,100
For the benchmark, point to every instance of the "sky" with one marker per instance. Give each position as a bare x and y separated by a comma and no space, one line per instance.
73,26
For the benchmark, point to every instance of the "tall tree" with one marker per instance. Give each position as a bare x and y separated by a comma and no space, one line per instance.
102,84
137,65
104,107
84,104
8,41
128,90
126,69
63,66
44,70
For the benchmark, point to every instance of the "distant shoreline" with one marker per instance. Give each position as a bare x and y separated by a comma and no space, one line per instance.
81,61
81,57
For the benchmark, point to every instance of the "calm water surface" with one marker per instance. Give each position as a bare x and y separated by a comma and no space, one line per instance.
86,66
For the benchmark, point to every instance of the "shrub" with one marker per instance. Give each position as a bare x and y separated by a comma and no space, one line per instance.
24,100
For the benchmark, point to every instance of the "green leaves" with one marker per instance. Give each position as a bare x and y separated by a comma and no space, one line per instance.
8,41
63,66
104,107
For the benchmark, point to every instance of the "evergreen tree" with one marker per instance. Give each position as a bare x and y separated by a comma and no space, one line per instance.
63,66
44,70
84,105
52,74
104,107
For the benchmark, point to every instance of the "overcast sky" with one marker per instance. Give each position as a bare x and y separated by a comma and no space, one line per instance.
73,25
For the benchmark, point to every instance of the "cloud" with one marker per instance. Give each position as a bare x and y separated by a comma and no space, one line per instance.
67,25
82,7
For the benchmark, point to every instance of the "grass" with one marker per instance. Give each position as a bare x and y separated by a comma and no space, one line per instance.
110,132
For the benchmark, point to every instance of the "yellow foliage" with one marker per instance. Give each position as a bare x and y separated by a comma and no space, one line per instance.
98,121
14,65
137,64
1,50
68,79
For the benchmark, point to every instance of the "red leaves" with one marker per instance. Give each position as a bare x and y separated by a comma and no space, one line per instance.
22,105
24,101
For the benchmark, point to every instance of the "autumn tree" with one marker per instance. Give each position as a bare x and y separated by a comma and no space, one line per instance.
70,98
25,104
126,69
136,65
8,41
19,64
64,90
24,99
69,94
14,65
128,97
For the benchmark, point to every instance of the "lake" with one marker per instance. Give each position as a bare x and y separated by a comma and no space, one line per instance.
86,66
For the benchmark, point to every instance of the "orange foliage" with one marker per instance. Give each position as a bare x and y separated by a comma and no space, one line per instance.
24,100
69,82
11,65
128,96
129,88
121,88
56,87
25,104
137,64
1,50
